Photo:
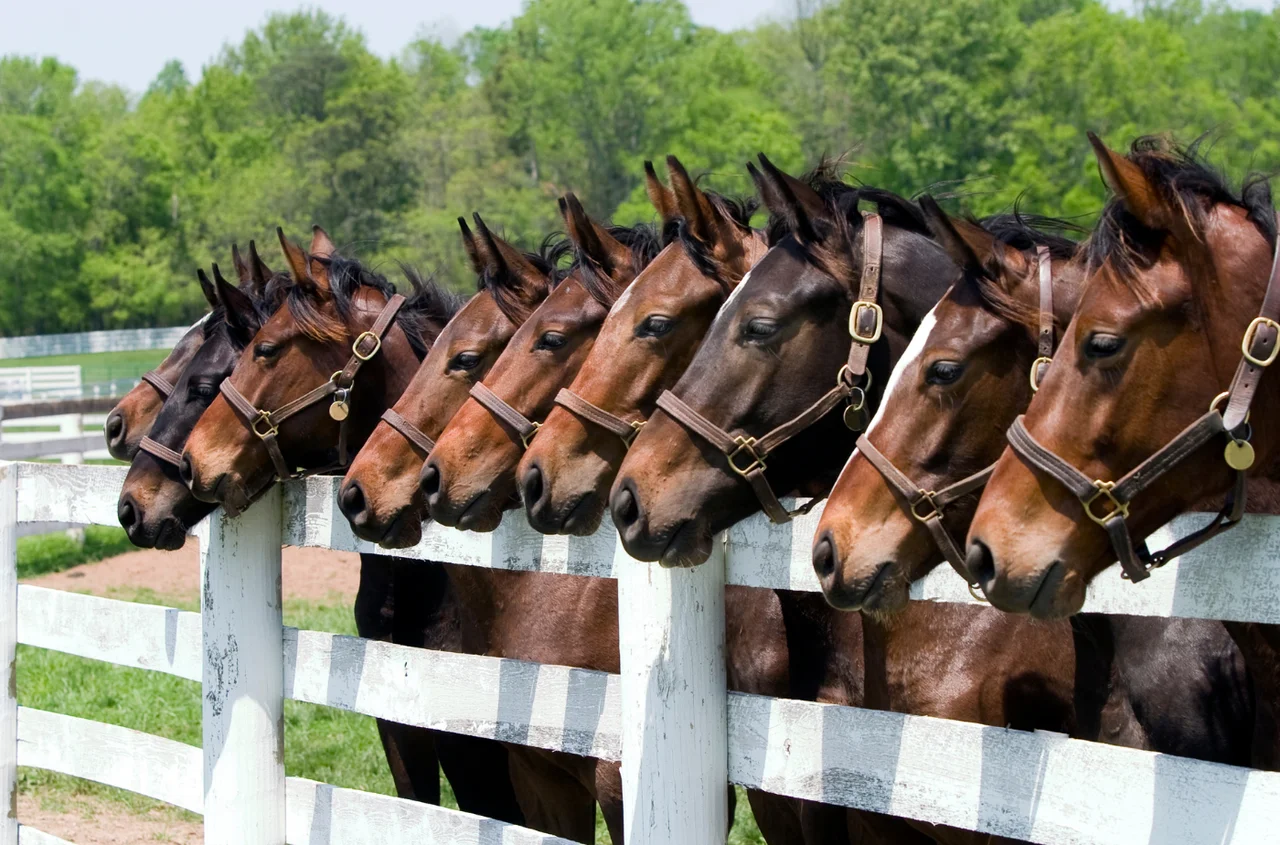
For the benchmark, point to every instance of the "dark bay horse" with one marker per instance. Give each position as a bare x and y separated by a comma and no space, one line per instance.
1175,271
965,376
774,351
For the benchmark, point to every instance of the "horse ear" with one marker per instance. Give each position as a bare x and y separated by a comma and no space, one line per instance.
699,214
322,249
472,248
206,287
296,258
506,262
243,272
793,199
321,244
593,240
967,245
260,272
241,315
1131,185
664,201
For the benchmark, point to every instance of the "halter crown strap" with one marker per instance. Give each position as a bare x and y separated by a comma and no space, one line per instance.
524,427
162,385
579,407
1045,341
160,452
408,431
746,454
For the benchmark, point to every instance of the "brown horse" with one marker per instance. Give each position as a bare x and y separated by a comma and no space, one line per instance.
774,352
1175,269
966,374
645,343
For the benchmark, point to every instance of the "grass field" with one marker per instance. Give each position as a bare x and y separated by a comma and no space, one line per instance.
320,743
98,367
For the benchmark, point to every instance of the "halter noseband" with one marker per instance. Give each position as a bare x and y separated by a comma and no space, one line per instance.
408,431
1258,350
266,424
512,419
158,450
162,385
746,455
612,423
927,506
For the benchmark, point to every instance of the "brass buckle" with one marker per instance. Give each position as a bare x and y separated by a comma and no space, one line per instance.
1035,370
858,337
377,344
272,429
746,443
1104,488
926,496
636,425
525,438
1248,341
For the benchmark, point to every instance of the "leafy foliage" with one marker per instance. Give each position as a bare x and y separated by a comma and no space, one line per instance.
108,200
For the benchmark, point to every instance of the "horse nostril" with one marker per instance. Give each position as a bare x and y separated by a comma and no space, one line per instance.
184,470
429,481
625,508
824,557
531,486
352,500
114,427
980,563
128,513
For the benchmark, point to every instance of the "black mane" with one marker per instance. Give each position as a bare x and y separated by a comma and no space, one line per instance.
1025,232
644,240
548,259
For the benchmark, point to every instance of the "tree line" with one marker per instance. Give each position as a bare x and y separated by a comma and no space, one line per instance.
108,200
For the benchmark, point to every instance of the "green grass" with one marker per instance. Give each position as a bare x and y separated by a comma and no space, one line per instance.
99,366
321,743
43,553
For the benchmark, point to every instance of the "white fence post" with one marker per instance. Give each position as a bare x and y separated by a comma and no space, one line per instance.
675,753
244,787
8,654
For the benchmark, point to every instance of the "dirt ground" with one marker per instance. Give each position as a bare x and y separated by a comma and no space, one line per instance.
310,574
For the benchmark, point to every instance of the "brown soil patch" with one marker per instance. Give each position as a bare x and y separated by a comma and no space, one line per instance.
92,821
311,574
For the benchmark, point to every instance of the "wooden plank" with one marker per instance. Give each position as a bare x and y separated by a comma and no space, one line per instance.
312,518
320,814
28,835
51,446
85,495
56,407
552,707
1038,787
142,636
243,707
8,654
139,762
674,739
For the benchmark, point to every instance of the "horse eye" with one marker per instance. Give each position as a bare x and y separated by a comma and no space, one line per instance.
655,326
465,361
759,329
197,391
265,350
944,372
1101,345
552,340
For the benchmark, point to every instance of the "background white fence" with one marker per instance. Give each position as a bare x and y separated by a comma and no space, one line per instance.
667,717
79,343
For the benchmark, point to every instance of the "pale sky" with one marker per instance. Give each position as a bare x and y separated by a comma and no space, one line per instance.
129,41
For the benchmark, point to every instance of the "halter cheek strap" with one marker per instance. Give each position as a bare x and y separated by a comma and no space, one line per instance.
511,419
581,408
745,454
1258,350
266,424
927,506
162,385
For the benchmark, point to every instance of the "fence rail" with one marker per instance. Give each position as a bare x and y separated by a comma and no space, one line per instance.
80,343
666,717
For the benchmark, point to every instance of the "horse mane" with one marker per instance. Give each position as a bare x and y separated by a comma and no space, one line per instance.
427,303
643,240
1184,181
427,309
1023,232
547,259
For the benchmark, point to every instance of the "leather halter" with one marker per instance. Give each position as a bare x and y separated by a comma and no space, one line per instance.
409,431
1258,350
162,385
928,506
266,424
745,454
581,408
512,419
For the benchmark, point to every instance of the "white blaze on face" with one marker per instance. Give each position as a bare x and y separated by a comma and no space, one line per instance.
907,362
620,302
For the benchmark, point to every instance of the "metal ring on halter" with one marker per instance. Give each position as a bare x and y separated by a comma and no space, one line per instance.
1119,509
525,438
1035,372
747,444
1222,397
977,594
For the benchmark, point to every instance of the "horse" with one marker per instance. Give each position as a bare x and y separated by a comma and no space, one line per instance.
132,417
910,489
1174,270
404,604
837,281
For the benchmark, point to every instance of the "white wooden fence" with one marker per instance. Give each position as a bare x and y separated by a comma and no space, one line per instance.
80,343
667,717
27,384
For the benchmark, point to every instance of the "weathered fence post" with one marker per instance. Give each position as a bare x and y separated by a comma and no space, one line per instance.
243,676
674,722
8,654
